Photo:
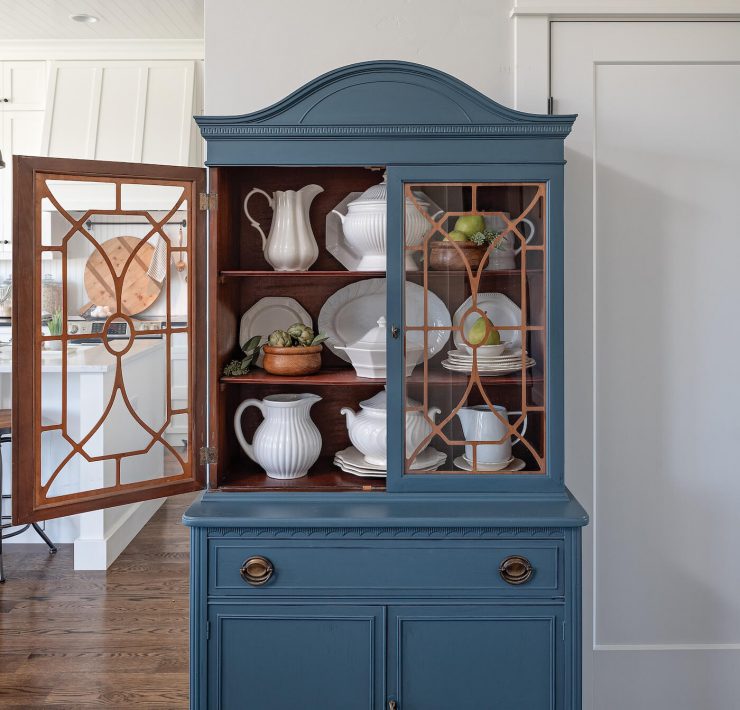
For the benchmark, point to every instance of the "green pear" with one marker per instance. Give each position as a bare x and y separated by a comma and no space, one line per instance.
470,224
477,333
456,236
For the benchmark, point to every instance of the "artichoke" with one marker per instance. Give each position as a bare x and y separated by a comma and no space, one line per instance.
279,339
302,334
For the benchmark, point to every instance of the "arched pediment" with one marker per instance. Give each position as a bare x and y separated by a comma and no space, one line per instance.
385,98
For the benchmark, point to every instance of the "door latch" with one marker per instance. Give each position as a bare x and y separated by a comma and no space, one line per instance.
395,331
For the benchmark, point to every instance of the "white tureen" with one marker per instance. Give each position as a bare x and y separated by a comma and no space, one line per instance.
365,224
368,429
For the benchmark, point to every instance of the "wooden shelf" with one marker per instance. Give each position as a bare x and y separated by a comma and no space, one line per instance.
347,377
344,376
323,476
301,274
246,273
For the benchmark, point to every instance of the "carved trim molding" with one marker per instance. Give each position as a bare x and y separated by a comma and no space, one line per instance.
559,130
386,532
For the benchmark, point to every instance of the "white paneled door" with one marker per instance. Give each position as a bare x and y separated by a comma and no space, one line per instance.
652,318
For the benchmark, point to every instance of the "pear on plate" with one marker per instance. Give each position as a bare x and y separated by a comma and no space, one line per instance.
477,333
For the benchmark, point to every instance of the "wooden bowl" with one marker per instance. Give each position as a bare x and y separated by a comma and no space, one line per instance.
445,257
292,362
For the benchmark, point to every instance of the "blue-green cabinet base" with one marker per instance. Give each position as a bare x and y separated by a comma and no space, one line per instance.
378,601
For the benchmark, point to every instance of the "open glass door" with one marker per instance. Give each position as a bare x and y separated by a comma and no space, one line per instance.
108,335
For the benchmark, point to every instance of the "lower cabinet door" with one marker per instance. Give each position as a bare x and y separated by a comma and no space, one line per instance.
475,657
296,657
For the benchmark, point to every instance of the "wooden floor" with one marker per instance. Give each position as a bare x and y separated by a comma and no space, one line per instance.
116,639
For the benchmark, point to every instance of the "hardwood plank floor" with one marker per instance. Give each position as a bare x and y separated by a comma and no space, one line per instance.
116,639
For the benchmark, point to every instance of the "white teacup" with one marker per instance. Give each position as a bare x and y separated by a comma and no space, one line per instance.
480,423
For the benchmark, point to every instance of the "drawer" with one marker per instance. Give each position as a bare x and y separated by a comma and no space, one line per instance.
401,568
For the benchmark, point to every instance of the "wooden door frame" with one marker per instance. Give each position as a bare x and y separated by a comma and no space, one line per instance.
26,447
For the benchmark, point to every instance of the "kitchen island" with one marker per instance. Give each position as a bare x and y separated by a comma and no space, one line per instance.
99,536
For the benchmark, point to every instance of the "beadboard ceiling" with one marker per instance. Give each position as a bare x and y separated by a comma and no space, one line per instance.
118,19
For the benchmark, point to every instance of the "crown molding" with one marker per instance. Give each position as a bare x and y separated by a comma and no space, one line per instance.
629,10
110,49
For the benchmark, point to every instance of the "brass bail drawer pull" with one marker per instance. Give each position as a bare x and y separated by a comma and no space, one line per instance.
516,570
257,571
392,705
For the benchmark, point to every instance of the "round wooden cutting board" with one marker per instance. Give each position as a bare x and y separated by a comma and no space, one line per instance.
139,289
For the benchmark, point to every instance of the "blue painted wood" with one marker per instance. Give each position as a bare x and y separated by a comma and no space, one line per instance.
296,656
417,563
551,483
381,113
473,656
401,568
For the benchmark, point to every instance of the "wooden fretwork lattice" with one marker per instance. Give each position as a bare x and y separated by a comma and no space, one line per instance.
178,466
474,276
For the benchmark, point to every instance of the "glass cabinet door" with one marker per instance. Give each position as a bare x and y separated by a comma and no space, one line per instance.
107,326
474,319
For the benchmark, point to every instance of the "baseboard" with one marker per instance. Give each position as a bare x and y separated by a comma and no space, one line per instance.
100,553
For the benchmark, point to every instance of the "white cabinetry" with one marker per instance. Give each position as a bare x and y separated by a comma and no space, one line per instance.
22,96
137,111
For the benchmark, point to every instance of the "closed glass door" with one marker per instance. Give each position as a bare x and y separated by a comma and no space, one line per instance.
474,320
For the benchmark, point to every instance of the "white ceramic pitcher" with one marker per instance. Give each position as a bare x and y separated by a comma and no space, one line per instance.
503,257
291,245
287,443
479,423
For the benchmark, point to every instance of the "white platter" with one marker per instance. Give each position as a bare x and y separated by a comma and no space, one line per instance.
352,311
461,356
501,311
515,465
268,314
352,458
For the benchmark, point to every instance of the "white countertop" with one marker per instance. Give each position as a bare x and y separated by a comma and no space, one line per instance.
84,358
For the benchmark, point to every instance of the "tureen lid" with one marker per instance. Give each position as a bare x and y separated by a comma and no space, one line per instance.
374,339
378,195
379,401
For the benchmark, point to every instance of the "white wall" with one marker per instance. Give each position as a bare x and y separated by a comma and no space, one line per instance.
257,52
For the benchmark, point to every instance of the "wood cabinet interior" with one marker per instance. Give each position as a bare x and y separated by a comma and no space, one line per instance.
240,276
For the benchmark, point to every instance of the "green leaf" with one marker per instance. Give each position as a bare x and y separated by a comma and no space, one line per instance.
320,338
251,345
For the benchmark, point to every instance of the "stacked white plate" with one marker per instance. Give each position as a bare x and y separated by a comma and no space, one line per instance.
493,365
350,460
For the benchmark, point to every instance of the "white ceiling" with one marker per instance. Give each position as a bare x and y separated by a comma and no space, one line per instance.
118,19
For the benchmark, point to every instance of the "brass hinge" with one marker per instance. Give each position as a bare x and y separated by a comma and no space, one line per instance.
208,201
208,630
208,454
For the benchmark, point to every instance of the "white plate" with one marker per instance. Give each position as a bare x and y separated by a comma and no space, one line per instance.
464,357
353,458
491,372
515,465
352,311
355,472
500,309
268,314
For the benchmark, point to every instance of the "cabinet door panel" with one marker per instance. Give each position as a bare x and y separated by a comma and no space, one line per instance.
474,657
98,299
296,656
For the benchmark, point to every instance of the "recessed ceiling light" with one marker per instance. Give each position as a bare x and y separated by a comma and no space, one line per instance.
84,18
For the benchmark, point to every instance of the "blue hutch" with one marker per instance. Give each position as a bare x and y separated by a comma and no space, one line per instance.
443,572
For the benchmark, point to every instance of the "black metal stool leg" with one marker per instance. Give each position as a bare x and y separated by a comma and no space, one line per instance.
45,538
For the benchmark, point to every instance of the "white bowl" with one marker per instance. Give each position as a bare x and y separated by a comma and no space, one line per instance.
486,350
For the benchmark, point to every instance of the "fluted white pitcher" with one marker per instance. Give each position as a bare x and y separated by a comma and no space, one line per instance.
287,442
